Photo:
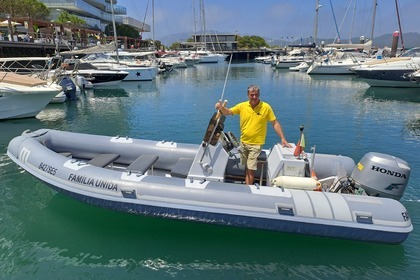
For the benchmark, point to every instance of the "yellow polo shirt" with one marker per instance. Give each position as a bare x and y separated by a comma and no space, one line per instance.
253,122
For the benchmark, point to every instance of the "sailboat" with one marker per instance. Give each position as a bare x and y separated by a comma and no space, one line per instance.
136,71
343,57
207,56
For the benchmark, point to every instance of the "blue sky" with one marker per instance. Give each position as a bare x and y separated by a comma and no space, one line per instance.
278,18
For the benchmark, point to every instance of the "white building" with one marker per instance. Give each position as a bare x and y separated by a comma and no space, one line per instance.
96,13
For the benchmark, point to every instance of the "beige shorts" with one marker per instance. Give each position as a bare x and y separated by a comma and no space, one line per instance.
249,155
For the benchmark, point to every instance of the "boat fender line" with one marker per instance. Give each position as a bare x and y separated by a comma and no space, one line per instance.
291,182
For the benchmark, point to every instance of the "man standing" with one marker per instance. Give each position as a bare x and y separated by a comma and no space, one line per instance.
254,115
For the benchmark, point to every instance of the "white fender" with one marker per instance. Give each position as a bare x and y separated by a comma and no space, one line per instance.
301,183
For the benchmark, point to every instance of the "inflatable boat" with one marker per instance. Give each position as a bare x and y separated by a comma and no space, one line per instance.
205,183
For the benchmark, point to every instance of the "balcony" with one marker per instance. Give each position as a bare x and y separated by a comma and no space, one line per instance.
94,10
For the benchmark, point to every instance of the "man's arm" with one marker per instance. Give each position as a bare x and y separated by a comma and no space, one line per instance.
278,129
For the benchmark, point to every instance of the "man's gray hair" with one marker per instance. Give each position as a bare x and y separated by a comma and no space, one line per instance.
254,88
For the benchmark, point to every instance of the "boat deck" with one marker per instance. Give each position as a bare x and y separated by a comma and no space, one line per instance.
21,80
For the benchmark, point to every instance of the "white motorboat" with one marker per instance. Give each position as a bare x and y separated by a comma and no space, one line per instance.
174,59
190,58
22,96
136,71
92,75
204,183
339,63
266,59
292,59
302,67
391,72
210,57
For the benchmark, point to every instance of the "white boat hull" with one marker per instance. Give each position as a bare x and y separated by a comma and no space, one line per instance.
211,58
24,102
330,69
139,73
287,64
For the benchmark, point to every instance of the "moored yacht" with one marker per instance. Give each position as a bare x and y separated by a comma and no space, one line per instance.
339,63
292,59
22,96
97,77
392,72
136,71
210,57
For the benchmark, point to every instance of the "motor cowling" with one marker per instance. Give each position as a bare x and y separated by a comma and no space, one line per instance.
382,175
69,88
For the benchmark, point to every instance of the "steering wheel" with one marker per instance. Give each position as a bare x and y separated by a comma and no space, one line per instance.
214,129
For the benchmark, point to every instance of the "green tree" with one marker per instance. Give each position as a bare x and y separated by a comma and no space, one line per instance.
24,8
65,17
251,42
122,30
159,45
175,46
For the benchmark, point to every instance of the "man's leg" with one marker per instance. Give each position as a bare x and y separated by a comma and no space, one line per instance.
249,176
253,151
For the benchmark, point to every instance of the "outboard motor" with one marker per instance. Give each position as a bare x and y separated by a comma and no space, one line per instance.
382,175
81,82
69,88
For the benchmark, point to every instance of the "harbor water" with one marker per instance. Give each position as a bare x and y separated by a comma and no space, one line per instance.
46,235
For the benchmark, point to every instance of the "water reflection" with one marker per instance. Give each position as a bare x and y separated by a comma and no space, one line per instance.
333,77
96,237
107,92
414,126
138,87
13,128
397,94
54,112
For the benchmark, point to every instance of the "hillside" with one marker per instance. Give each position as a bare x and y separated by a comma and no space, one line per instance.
411,39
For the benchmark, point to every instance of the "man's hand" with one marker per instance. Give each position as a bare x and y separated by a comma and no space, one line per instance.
284,143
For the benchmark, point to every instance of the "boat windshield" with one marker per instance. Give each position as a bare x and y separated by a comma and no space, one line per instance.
414,52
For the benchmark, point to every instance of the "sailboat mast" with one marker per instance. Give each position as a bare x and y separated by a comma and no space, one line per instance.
352,21
335,22
204,23
399,25
115,30
373,19
195,26
317,6
153,24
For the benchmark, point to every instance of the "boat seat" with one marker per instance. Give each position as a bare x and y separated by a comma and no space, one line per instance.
262,157
182,167
103,160
142,164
